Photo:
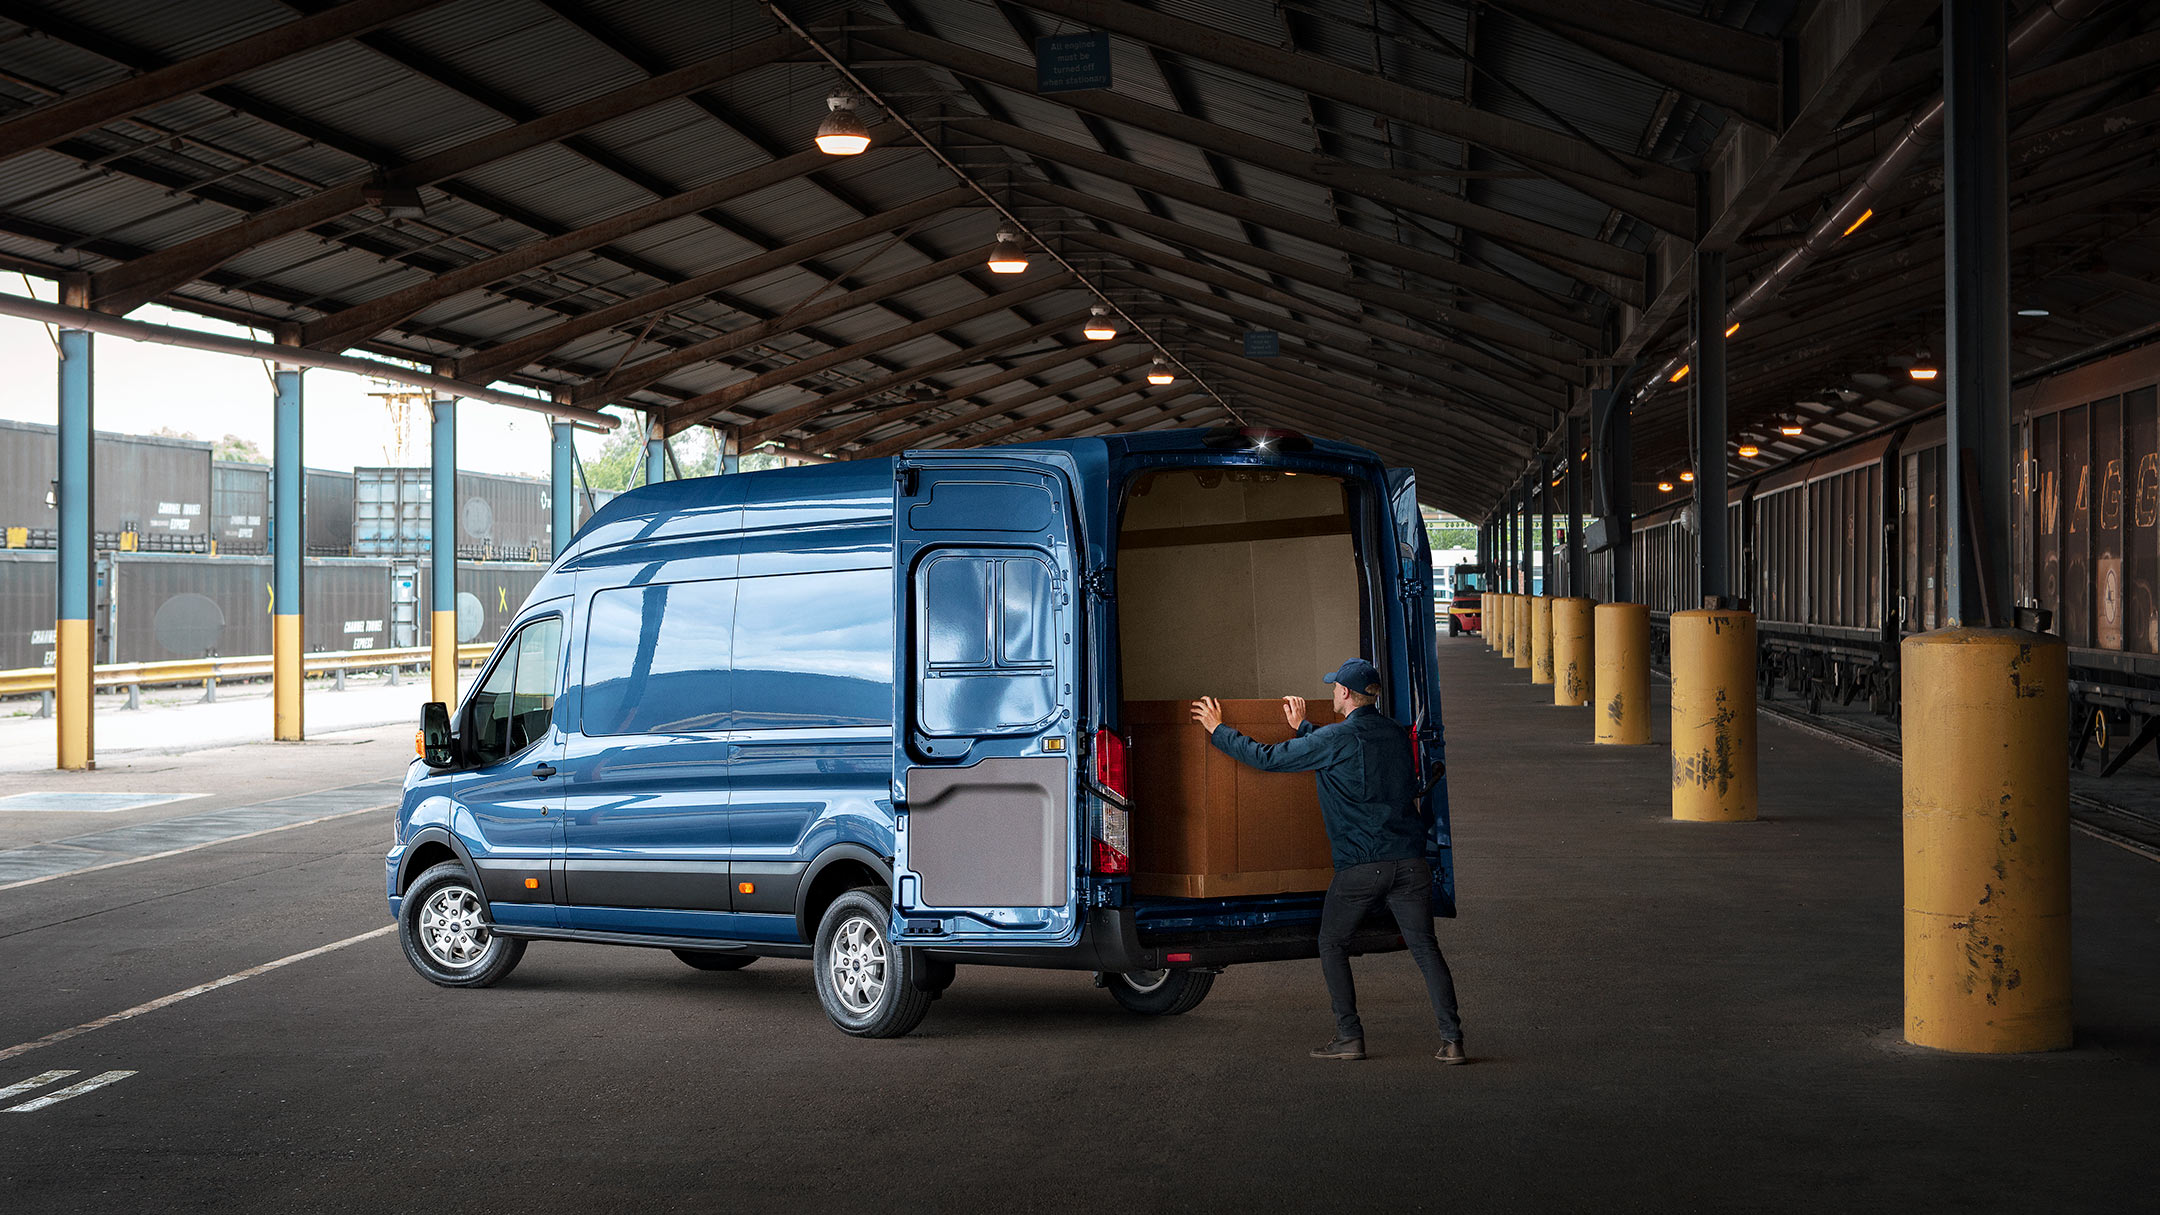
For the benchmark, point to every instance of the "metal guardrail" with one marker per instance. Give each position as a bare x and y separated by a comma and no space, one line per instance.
209,672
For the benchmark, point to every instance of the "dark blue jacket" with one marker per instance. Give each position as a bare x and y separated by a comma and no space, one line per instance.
1368,791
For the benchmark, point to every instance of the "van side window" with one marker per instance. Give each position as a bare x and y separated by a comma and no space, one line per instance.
987,648
657,659
814,650
512,708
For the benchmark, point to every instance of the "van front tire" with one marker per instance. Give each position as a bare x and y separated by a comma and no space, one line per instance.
443,927
1160,993
865,982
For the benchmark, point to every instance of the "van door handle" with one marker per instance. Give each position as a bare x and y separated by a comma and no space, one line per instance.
544,771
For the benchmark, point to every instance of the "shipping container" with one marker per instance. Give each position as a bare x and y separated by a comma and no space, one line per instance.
154,487
171,607
28,605
498,518
329,513
240,507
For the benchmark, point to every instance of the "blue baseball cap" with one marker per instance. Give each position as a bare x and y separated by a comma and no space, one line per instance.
1357,675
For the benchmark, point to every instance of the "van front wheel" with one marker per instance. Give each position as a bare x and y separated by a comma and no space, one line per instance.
1160,993
866,983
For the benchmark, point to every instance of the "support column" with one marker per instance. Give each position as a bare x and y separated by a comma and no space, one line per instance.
1713,716
1578,557
288,548
655,455
1987,834
1620,695
74,633
1611,451
1545,537
442,553
730,455
1707,307
1541,640
1573,650
562,486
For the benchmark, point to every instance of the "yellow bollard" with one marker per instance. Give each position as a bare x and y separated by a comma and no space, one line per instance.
1521,652
1571,650
1488,618
1713,716
1987,841
1507,626
1620,695
1541,665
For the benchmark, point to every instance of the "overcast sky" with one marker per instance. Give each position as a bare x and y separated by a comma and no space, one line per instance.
138,387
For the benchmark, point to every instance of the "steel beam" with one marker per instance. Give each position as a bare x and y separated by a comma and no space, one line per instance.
1061,423
55,121
993,409
288,552
758,430
127,286
1005,409
442,551
1588,166
1047,417
1320,410
698,408
1382,250
74,494
1726,67
517,352
638,375
1979,474
836,437
1708,381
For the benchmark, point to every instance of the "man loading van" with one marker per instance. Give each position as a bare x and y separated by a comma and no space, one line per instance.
1368,799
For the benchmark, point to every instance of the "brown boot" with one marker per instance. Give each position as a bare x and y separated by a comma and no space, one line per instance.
1452,1052
1341,1048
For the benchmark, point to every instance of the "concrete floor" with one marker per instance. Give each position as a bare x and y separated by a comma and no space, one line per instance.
1665,1017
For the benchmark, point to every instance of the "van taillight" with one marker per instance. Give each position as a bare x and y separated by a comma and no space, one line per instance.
1113,840
1110,860
1110,770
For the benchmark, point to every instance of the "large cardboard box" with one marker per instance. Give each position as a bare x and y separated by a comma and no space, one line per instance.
1206,826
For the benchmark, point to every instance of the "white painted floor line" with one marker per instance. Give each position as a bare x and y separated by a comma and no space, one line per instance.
159,856
77,1031
39,1081
73,1090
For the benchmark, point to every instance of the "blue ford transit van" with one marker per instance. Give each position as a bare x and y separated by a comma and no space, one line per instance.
875,715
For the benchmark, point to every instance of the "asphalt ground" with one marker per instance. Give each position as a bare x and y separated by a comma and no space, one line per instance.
1663,1016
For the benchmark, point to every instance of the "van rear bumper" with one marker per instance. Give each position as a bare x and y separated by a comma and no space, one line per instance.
1110,942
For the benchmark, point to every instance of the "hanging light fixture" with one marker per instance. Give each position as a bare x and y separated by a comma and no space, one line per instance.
1790,428
1160,372
1100,328
842,133
1687,474
1008,257
1681,374
1664,487
1749,451
1924,368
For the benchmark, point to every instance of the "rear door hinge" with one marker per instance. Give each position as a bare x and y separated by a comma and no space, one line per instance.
1101,582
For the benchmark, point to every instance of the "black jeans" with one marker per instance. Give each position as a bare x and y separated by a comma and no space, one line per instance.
1406,888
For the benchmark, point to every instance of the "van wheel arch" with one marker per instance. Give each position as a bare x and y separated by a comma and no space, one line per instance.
429,847
837,870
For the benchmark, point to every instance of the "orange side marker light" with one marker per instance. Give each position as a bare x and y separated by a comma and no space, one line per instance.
532,883
746,887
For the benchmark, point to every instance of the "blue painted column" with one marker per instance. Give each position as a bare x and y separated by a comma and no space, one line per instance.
442,552
655,455
730,461
74,659
288,549
562,487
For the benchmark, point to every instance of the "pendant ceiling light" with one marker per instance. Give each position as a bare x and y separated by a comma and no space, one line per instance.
1008,257
1100,328
1924,368
1664,487
842,133
1687,474
1160,372
1790,427
1749,451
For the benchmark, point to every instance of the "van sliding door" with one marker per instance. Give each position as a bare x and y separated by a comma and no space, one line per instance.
984,723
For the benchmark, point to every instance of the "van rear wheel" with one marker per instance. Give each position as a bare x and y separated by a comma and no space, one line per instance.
866,983
1160,993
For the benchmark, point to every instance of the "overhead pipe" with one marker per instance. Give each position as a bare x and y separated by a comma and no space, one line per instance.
2040,28
292,356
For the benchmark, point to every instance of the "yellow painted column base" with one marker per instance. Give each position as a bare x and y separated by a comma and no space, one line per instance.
442,658
1620,692
1520,626
1713,716
74,695
1503,629
1572,650
288,678
1987,841
1541,655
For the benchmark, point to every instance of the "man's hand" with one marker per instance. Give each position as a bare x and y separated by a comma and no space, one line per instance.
1208,712
1293,710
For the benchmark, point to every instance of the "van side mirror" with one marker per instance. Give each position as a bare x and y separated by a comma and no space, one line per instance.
438,747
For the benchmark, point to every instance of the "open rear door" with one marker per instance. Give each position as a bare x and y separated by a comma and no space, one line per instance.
1414,583
986,849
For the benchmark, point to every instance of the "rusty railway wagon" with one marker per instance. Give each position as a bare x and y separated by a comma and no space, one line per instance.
1841,554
